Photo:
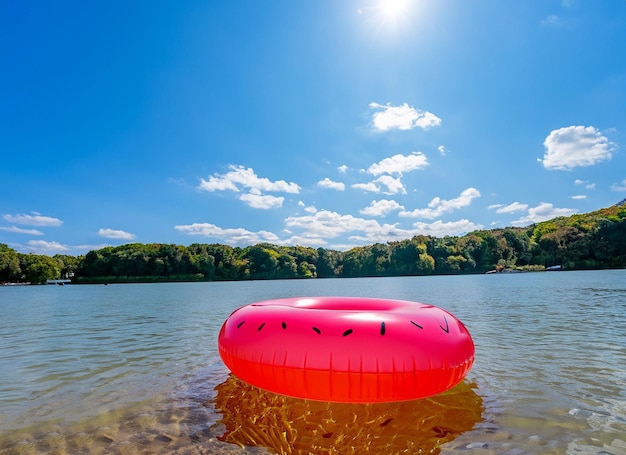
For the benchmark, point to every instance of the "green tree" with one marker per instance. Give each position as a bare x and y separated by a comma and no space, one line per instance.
425,264
67,264
456,263
593,240
203,260
404,257
480,249
376,260
307,270
263,261
328,263
9,264
39,268
352,263
306,259
287,266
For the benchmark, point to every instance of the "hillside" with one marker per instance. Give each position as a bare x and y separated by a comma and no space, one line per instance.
592,240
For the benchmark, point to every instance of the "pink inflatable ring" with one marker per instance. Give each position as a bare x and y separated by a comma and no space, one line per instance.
346,349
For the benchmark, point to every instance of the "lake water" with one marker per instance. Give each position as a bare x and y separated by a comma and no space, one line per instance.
134,369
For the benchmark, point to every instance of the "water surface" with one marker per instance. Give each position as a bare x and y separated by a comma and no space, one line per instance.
135,369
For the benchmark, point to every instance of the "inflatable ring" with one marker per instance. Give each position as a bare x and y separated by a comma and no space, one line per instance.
346,349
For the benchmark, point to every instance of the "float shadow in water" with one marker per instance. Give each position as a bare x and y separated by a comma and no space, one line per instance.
254,417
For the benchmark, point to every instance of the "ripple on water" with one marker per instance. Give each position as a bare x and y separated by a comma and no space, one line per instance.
134,369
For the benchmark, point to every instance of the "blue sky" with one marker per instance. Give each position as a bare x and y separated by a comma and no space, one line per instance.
323,123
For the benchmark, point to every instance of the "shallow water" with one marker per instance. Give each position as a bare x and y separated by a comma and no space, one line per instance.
134,369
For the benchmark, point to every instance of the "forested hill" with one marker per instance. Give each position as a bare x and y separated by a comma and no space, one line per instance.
593,240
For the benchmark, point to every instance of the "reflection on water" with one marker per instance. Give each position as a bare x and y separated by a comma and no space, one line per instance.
234,418
254,417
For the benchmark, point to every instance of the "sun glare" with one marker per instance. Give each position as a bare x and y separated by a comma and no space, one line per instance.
392,9
389,19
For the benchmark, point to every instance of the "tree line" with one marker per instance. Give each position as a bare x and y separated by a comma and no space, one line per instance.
34,268
588,241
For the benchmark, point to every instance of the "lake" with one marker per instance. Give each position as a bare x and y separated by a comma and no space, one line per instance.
134,369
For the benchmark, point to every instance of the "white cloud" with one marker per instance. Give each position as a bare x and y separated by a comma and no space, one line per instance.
438,206
240,177
393,185
328,225
543,212
321,227
262,201
219,183
586,183
580,196
330,184
381,208
89,247
17,230
43,247
35,219
369,186
52,248
402,117
511,208
441,229
236,236
325,225
115,234
385,233
619,186
306,240
442,150
575,146
398,164
343,168
308,209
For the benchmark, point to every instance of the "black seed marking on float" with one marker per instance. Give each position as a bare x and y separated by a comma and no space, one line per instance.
417,325
347,332
284,324
317,330
446,328
240,324
260,327
382,328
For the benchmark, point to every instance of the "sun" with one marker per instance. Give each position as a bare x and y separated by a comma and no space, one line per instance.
392,9
391,17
